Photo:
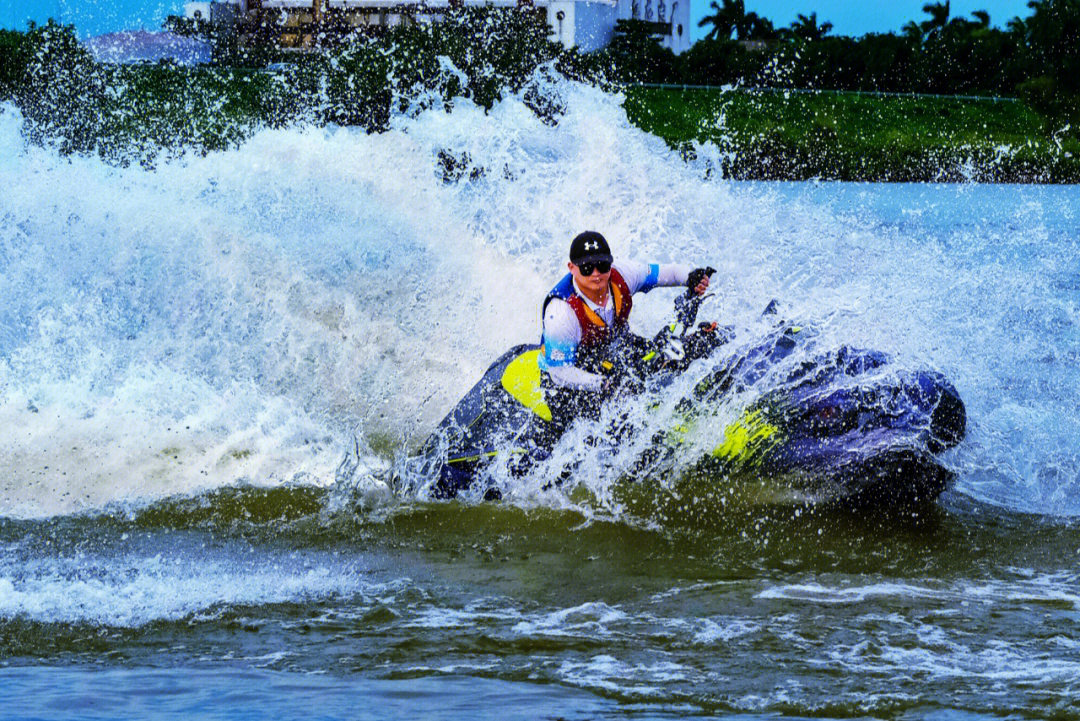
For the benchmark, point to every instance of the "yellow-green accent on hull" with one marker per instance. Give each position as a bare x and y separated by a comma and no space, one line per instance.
521,379
745,437
470,459
488,454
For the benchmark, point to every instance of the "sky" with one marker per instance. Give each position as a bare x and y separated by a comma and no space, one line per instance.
849,17
859,17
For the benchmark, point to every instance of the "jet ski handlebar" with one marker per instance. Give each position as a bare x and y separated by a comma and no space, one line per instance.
688,304
675,347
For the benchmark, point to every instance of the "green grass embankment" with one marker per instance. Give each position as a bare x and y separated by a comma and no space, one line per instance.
845,136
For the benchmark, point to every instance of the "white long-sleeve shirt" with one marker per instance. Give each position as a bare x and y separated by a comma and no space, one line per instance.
562,332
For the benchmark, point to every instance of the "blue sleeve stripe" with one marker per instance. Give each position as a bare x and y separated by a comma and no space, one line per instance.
557,354
651,279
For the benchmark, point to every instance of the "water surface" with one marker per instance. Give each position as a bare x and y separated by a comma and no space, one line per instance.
187,355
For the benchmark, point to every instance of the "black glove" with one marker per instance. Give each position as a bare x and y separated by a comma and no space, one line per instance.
696,275
621,383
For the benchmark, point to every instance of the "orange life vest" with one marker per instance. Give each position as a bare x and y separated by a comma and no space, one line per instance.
595,333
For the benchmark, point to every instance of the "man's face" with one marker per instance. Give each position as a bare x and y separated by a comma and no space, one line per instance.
595,281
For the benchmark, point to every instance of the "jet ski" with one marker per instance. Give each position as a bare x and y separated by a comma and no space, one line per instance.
837,428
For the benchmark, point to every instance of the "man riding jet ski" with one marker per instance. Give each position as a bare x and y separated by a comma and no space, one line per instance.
586,330
838,427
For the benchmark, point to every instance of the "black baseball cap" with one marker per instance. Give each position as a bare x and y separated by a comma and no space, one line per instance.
589,247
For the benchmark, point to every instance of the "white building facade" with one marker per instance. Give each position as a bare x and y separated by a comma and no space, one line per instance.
586,24
590,25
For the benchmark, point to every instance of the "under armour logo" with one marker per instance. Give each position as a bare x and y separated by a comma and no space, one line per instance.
592,245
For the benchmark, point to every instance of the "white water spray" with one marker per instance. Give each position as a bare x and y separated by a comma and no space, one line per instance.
239,316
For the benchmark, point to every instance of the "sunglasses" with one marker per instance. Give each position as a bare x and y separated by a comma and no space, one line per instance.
602,266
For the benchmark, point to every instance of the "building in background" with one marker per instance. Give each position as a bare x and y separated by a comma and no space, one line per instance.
591,25
585,24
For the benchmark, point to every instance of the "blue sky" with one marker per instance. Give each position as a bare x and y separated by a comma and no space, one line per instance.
858,17
849,17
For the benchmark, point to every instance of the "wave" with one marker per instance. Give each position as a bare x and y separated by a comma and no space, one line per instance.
251,315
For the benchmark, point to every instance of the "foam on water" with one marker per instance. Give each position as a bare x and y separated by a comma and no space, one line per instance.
817,593
591,618
134,589
1057,589
242,316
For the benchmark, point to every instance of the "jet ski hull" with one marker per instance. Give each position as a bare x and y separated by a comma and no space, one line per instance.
838,431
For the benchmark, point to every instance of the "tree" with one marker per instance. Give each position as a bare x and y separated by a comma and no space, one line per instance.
61,90
12,61
939,17
733,18
755,27
912,31
808,29
1051,34
724,19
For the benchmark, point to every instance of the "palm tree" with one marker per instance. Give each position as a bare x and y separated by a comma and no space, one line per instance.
1017,27
755,27
982,17
725,20
807,28
1051,33
939,17
912,30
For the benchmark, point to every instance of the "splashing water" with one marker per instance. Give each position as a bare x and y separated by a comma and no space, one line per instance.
239,317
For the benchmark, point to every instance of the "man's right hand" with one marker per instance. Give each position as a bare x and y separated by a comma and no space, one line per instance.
698,280
621,384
